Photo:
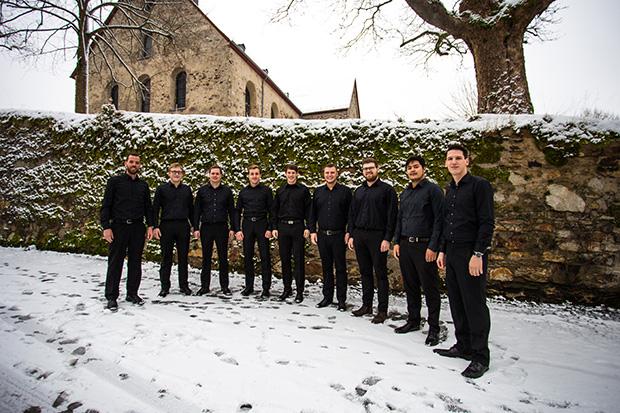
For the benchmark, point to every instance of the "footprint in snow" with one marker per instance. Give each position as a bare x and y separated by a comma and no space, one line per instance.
371,380
230,360
337,386
282,362
245,407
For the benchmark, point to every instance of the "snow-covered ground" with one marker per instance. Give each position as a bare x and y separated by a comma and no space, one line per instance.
61,351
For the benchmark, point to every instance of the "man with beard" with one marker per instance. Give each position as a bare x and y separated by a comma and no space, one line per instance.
416,243
126,204
372,219
291,214
330,210
254,205
468,223
214,209
175,201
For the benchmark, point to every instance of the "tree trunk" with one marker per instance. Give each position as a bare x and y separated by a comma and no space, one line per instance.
82,71
81,88
500,71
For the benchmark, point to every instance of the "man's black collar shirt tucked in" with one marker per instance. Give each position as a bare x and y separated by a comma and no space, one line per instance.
374,208
126,199
468,213
214,206
419,214
330,208
255,202
175,203
291,203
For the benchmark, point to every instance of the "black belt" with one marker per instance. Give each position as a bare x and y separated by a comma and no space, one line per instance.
415,239
254,219
290,221
330,232
127,221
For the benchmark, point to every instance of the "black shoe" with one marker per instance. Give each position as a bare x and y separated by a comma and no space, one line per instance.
433,337
112,305
163,293
324,303
363,310
453,352
203,291
285,294
299,297
475,370
186,291
134,298
226,292
342,307
247,291
265,294
407,327
380,317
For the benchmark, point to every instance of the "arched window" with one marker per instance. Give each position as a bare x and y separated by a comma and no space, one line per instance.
180,90
248,102
147,45
114,95
251,106
275,112
145,94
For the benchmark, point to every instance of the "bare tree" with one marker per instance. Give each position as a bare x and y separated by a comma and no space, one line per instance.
493,31
77,27
464,101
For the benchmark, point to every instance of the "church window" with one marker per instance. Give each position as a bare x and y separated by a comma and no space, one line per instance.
147,45
180,90
248,102
145,94
114,96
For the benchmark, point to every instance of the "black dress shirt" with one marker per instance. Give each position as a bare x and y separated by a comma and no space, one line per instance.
175,202
292,202
214,206
125,199
374,208
330,208
255,202
420,213
468,213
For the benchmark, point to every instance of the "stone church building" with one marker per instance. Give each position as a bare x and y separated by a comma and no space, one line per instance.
201,71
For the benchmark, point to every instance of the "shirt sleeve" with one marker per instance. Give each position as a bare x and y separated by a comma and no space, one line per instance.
483,191
307,207
275,209
313,212
269,206
197,211
399,225
106,205
437,205
190,217
157,207
230,208
238,211
148,206
352,213
391,214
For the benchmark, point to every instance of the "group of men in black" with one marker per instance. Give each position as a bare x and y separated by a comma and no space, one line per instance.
428,230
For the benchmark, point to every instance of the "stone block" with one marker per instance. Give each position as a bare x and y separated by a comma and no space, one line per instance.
560,198
501,274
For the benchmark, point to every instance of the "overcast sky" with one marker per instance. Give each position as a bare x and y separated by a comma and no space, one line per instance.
578,70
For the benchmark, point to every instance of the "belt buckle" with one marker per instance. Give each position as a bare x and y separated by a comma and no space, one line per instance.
413,239
329,232
129,221
253,219
290,222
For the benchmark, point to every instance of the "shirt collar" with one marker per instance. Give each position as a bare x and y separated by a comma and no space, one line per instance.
420,184
464,180
377,182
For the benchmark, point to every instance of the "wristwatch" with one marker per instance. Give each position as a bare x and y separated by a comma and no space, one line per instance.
478,254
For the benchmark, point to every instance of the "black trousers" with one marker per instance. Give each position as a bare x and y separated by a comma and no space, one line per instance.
128,242
253,233
174,233
291,243
468,305
332,250
369,257
210,233
418,273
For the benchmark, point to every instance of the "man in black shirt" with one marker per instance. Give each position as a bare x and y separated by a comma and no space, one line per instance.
466,238
416,243
126,203
214,209
175,201
372,219
254,205
291,214
330,209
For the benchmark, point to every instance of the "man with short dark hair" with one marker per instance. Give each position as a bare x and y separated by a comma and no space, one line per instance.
214,211
416,243
330,210
291,215
466,238
254,205
175,202
126,204
372,220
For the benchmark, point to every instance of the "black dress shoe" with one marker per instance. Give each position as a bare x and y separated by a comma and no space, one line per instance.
203,291
163,293
407,327
433,337
135,298
324,303
475,370
265,294
380,317
285,294
453,352
112,305
342,307
226,291
247,291
363,310
299,297
186,291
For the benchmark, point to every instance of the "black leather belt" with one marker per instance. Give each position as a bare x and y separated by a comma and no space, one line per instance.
415,239
330,232
127,221
254,219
